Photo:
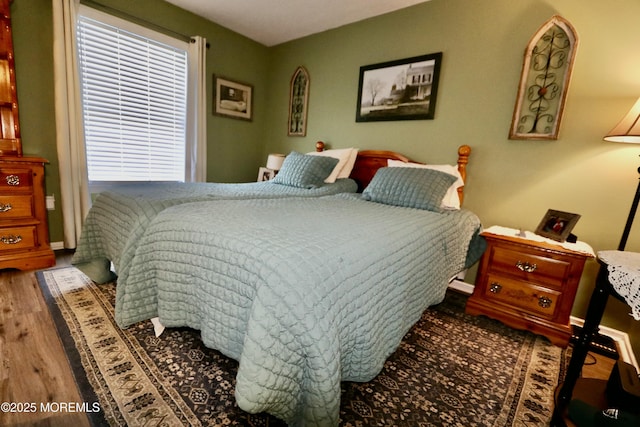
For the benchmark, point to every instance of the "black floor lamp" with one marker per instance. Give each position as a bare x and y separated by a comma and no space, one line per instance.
628,130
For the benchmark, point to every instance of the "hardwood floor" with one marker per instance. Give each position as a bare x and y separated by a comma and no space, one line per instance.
34,366
34,369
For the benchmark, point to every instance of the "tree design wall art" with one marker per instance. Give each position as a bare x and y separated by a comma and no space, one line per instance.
546,72
298,102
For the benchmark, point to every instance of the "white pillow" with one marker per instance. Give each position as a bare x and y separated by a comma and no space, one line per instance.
451,199
345,162
348,167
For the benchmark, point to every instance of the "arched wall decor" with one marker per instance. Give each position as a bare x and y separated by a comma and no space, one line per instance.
546,72
298,103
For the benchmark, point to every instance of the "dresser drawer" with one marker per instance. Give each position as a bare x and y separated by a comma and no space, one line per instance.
17,238
16,179
529,297
15,207
530,266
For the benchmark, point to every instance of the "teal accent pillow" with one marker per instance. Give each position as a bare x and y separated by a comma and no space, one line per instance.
409,187
305,171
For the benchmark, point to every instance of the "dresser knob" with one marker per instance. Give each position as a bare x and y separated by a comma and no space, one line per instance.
544,302
526,267
11,239
5,208
495,288
12,180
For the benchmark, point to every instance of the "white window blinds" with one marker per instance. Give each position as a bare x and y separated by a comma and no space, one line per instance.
134,100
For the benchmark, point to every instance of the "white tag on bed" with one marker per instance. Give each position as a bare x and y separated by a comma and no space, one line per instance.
158,328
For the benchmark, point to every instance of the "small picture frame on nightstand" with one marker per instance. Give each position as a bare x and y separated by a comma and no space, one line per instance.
557,225
266,174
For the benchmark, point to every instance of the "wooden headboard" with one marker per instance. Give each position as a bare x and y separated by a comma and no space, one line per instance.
369,161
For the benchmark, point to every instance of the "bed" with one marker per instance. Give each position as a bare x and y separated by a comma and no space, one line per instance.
118,218
303,292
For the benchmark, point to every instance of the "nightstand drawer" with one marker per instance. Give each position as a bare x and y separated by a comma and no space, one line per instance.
17,238
525,296
12,207
531,267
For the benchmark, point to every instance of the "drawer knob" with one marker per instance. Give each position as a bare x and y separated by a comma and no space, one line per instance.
11,239
526,267
5,208
12,179
495,288
544,302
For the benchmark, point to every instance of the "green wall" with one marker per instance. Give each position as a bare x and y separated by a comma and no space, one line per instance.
511,183
235,146
34,78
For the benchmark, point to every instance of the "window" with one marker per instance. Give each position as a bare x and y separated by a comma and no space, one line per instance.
134,100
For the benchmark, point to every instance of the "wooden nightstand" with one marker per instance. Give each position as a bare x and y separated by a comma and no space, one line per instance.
529,284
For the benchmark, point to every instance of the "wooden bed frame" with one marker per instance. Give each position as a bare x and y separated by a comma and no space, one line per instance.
369,161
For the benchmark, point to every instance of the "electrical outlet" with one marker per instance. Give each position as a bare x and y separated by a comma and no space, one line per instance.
51,202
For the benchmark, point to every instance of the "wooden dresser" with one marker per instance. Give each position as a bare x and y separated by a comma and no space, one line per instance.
24,234
10,143
528,284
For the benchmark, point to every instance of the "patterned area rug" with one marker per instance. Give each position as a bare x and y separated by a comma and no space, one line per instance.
450,370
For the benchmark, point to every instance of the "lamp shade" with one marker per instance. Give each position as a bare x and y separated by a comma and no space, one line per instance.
274,161
628,130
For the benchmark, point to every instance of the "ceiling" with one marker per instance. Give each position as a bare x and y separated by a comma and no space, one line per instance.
275,22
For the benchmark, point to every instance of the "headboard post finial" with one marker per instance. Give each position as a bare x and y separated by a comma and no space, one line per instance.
463,159
319,146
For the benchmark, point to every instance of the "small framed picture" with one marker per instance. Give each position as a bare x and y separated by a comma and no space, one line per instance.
557,225
266,174
232,99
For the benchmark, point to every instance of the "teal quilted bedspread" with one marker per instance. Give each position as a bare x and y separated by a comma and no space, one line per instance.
118,219
304,293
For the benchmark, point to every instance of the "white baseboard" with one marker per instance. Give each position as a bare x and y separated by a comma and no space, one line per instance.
461,286
57,246
621,338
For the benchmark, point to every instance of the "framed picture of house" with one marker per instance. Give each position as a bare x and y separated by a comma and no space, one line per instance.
557,225
404,89
232,99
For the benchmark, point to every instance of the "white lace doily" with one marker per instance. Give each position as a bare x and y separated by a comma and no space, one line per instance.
624,276
529,235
